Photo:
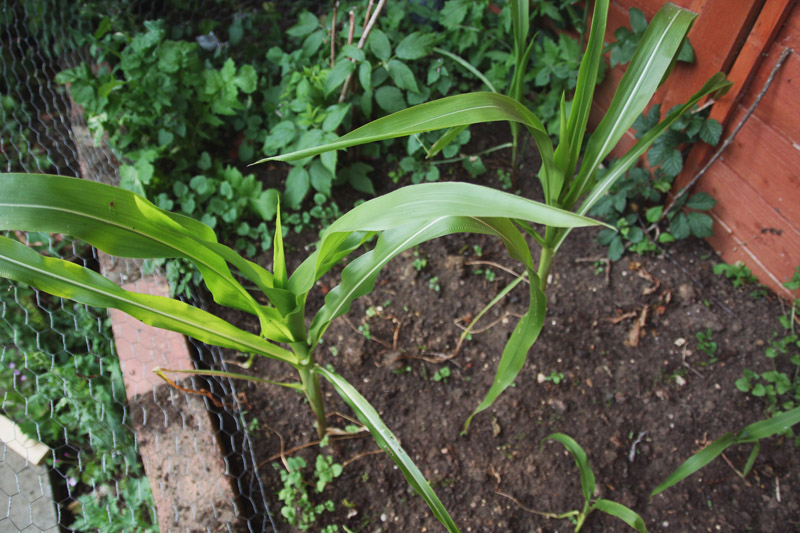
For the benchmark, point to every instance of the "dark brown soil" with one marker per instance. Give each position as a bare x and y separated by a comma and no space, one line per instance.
636,393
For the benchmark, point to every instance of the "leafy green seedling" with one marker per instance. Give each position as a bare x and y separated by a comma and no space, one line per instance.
612,508
433,284
420,261
738,273
555,377
442,374
299,507
706,345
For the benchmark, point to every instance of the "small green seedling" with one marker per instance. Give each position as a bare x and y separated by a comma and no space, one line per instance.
555,377
433,284
706,345
442,374
587,487
420,262
298,507
738,273
487,273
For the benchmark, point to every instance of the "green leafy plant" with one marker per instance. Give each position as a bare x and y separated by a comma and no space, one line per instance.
442,374
780,386
122,223
639,200
738,273
569,181
706,344
123,506
591,504
298,507
18,149
61,382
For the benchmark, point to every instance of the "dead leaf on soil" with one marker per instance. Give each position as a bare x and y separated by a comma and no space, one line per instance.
637,330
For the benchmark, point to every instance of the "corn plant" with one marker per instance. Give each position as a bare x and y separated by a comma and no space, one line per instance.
569,181
588,485
124,224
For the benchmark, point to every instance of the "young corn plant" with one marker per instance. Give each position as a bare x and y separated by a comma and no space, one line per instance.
613,508
752,434
123,224
569,181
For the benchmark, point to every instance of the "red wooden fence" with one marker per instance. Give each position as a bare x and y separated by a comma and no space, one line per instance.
756,180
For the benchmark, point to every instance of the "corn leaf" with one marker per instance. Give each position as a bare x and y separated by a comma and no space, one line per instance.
515,352
696,462
419,204
716,85
68,280
653,58
625,514
450,112
358,278
581,461
569,149
124,224
389,443
752,433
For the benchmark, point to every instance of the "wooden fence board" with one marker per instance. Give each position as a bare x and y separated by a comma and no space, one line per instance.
746,225
769,162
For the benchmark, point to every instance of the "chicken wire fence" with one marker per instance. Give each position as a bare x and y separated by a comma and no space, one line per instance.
88,439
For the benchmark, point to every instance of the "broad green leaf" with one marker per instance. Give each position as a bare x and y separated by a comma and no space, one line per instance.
297,184
68,280
581,461
701,201
625,514
306,23
416,45
266,204
390,99
336,114
389,444
402,76
338,74
353,52
119,223
379,44
653,59
701,225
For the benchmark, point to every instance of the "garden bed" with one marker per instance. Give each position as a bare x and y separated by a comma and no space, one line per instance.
619,368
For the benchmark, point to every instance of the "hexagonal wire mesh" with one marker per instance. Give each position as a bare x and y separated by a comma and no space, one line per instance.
88,439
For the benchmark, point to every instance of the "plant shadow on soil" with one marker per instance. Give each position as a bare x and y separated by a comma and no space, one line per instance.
615,335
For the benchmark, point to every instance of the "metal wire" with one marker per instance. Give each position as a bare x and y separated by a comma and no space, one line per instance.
61,382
